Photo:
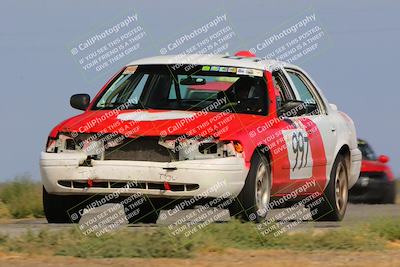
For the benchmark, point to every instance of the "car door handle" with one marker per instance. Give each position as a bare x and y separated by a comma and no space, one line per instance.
333,129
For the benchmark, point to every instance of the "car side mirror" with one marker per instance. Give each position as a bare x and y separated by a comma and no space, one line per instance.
80,101
293,108
333,106
383,159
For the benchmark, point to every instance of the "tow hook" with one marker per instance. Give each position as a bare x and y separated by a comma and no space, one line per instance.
167,186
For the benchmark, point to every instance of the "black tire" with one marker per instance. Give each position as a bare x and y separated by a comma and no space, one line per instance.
250,206
333,203
145,212
57,209
390,194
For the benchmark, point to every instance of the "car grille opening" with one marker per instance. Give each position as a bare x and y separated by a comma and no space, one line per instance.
175,187
141,149
374,175
119,147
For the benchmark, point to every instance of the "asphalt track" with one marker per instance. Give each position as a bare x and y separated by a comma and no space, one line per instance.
356,213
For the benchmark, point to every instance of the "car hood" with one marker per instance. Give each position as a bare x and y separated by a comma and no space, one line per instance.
158,122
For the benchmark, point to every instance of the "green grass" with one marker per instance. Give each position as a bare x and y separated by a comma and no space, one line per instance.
4,212
118,244
158,242
21,198
386,228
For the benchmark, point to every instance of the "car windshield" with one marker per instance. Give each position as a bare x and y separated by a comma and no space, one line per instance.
366,150
186,87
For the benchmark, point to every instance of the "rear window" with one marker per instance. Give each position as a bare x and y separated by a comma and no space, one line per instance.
187,88
366,150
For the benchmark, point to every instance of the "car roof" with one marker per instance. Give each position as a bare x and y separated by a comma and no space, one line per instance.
216,60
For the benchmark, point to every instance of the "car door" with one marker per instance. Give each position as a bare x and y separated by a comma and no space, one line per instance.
294,133
295,165
312,145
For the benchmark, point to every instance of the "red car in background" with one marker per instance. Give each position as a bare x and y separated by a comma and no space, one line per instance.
376,183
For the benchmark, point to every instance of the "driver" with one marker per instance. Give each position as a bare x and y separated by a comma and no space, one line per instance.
245,95
249,95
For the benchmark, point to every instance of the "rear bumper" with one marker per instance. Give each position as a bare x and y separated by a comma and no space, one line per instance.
213,177
372,191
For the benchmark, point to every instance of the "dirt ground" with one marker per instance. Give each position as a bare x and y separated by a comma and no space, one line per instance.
232,257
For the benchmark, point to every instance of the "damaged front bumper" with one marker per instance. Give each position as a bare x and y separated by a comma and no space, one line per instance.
64,173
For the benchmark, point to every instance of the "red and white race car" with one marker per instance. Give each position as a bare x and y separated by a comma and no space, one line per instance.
185,129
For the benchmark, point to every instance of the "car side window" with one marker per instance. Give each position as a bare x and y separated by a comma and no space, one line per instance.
305,91
367,152
302,89
284,91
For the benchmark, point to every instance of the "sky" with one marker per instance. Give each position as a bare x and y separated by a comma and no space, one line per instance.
355,62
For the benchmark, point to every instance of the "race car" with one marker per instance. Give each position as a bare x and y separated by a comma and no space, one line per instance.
173,132
376,183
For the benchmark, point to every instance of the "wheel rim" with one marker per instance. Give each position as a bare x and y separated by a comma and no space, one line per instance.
341,192
263,186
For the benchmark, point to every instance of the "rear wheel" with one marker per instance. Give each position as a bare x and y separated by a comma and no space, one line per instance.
252,202
333,203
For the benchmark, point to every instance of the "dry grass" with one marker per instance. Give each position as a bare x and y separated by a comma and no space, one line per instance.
159,243
21,198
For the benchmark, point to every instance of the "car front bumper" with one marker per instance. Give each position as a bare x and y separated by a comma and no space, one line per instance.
355,166
61,172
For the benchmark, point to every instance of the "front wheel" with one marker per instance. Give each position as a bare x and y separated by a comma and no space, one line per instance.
144,210
252,202
390,194
56,208
333,203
